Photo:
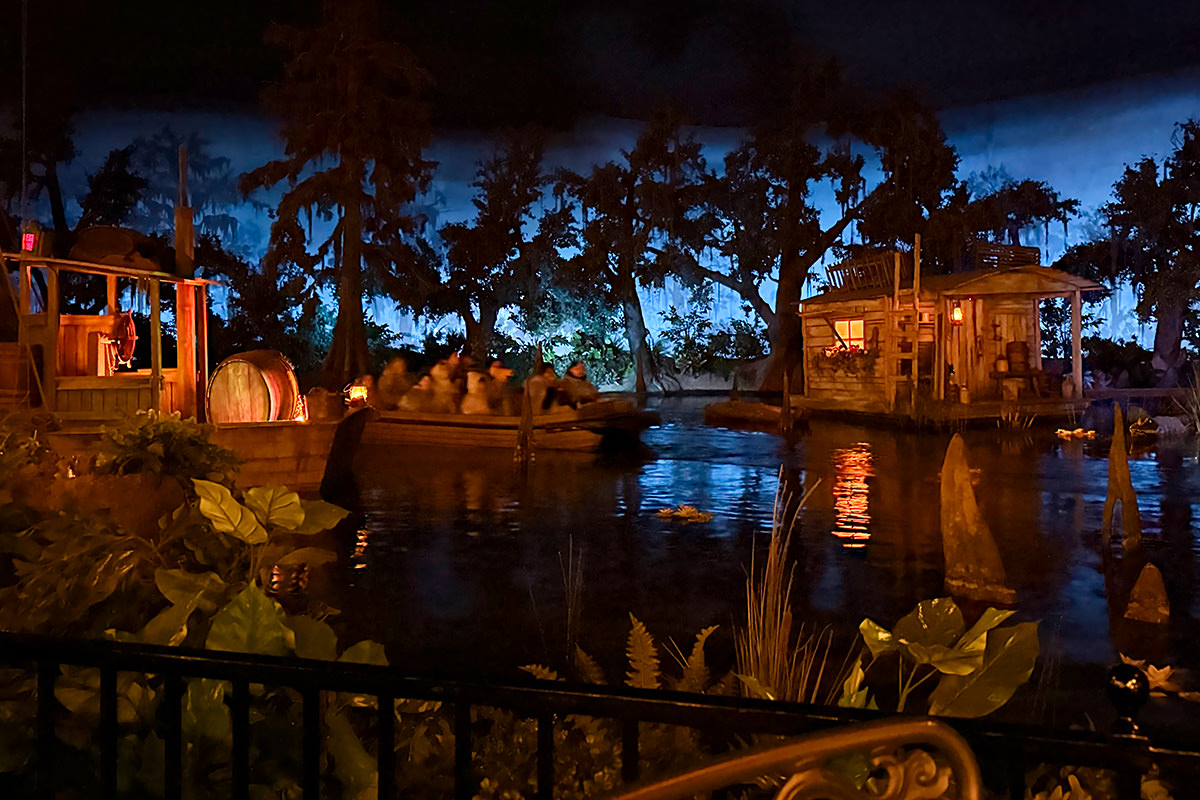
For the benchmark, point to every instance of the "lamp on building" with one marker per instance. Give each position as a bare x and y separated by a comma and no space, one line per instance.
956,314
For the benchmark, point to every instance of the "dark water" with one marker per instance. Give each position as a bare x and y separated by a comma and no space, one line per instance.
461,568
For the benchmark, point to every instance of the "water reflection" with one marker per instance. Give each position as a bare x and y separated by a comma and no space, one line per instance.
851,495
458,566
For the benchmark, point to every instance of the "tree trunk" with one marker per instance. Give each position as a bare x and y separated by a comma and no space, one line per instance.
635,327
481,334
1168,337
348,357
785,335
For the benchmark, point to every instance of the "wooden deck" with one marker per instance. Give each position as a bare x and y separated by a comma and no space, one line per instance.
1022,413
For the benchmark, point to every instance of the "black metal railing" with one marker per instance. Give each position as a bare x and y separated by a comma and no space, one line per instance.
1006,752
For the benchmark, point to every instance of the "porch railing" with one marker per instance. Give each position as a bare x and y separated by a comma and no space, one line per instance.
1005,752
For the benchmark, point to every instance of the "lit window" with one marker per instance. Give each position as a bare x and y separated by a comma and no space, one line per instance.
851,332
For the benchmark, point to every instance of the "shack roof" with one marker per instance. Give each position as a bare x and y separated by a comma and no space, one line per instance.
1034,281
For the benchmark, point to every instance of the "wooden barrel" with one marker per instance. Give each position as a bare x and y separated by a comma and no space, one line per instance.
1018,356
254,386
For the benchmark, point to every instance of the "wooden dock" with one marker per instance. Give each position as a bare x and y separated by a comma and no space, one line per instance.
937,414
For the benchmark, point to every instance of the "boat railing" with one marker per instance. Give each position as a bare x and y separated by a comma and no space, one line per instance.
1005,753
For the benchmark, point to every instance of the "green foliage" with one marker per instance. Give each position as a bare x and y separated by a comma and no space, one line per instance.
586,749
978,669
1055,316
355,126
164,444
170,569
1117,359
696,346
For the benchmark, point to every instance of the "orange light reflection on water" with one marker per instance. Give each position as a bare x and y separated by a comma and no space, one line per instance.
851,504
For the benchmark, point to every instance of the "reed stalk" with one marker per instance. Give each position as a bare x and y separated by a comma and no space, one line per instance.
1191,400
775,656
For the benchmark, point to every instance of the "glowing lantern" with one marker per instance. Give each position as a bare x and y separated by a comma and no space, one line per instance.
29,242
956,314
357,395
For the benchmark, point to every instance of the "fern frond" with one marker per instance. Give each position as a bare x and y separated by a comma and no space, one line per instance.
587,667
643,657
540,672
695,671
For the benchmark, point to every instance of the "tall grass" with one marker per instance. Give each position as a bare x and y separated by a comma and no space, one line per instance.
1191,400
776,658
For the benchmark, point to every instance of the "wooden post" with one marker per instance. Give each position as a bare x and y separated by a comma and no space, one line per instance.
185,348
110,287
50,341
202,353
939,353
156,386
1076,341
916,272
804,352
895,279
185,258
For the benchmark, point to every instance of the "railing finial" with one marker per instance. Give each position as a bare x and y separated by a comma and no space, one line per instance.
1128,689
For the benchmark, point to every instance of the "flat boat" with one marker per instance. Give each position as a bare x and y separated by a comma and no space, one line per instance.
603,424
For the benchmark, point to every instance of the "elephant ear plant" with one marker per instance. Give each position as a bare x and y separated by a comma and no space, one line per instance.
977,669
187,564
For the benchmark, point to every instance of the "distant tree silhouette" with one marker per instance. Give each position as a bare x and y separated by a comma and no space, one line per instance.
354,129
1154,242
212,185
486,259
639,222
761,216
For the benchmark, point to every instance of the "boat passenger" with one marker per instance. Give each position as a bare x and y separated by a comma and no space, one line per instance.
394,381
501,397
445,394
575,389
543,389
475,401
419,397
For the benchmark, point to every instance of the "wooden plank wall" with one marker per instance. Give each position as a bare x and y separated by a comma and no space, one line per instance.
818,334
113,396
988,326
74,356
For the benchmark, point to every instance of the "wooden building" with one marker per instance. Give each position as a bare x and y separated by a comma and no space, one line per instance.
885,340
64,362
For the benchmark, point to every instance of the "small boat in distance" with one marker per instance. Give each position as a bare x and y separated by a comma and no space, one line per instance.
607,424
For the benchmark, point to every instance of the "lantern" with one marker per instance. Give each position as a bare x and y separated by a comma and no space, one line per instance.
357,396
956,314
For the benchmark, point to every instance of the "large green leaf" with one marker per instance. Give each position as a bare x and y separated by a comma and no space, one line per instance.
1008,661
228,515
975,639
252,623
938,621
319,516
203,590
365,652
855,693
169,626
352,764
205,715
314,638
275,505
313,556
949,660
877,638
